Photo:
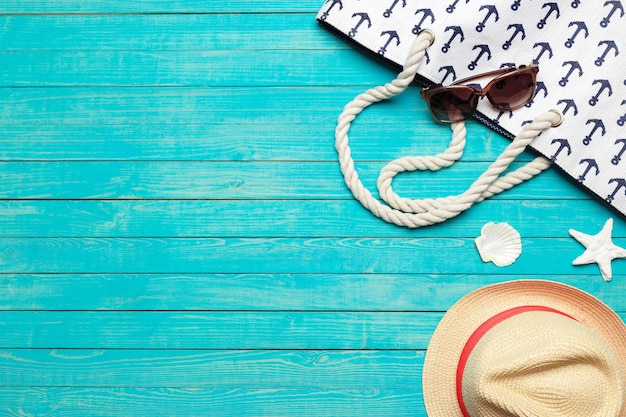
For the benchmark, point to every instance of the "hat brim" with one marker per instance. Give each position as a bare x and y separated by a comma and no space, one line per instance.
462,319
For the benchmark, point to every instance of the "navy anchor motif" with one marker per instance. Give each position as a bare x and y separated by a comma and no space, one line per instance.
604,85
610,45
553,8
393,35
389,11
545,47
618,157
581,27
501,115
426,13
491,11
563,145
519,29
574,66
451,8
449,69
617,6
569,104
333,3
598,124
622,120
591,164
484,49
363,17
621,183
456,32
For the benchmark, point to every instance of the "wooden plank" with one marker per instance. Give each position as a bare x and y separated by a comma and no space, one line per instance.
184,69
274,140
541,256
222,369
216,330
286,104
164,106
172,402
95,124
54,120
97,118
215,304
173,32
156,6
247,180
272,292
279,218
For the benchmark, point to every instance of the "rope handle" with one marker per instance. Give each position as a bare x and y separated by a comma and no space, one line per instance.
425,212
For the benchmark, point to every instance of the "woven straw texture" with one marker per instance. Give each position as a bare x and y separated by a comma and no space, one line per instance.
471,311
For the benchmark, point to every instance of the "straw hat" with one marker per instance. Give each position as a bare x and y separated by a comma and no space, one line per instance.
527,348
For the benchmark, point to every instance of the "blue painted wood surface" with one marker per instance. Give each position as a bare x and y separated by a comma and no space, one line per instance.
175,235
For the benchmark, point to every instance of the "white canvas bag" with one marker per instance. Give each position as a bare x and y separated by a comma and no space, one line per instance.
579,45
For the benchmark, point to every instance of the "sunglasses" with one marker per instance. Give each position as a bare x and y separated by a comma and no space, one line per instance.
511,89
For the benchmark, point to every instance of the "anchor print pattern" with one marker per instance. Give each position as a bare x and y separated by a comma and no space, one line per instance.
578,45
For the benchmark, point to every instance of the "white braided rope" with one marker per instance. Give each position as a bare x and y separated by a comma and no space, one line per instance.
424,212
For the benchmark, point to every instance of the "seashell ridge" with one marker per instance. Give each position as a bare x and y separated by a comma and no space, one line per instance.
499,243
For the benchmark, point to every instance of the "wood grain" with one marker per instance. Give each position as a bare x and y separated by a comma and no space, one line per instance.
266,292
176,238
290,218
236,180
218,330
156,6
217,369
274,140
164,32
280,255
79,401
179,69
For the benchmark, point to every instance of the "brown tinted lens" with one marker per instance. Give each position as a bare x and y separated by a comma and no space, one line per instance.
453,104
511,91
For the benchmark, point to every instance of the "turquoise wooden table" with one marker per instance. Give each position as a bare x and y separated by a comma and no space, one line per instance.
175,235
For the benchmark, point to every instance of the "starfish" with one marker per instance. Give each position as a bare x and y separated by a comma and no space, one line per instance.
599,249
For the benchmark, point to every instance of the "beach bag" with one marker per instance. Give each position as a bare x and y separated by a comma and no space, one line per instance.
575,120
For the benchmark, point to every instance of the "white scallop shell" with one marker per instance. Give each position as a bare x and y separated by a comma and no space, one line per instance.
499,243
